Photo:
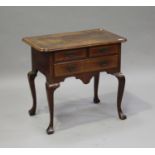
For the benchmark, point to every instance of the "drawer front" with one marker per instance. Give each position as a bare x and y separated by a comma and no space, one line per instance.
69,68
103,50
70,55
102,63
87,65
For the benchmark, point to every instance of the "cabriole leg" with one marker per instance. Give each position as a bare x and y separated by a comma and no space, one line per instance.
50,88
121,84
31,78
96,83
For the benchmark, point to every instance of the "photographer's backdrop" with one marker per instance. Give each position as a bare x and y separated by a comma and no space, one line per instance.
78,122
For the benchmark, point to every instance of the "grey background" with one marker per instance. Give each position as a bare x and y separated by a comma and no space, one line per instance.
78,122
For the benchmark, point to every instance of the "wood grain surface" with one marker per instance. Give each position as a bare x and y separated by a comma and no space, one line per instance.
71,40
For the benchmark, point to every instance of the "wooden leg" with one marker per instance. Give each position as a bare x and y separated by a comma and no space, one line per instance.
50,88
121,84
31,78
96,83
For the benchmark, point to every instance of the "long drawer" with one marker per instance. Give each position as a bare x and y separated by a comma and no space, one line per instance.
86,65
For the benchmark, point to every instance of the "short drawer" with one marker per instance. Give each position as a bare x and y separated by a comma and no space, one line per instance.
70,55
101,63
103,50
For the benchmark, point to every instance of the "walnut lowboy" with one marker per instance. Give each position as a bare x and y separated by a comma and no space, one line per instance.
82,54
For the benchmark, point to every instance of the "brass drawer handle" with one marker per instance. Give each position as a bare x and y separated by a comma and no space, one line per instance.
71,68
103,63
104,49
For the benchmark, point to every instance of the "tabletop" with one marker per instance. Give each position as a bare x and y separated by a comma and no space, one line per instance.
71,40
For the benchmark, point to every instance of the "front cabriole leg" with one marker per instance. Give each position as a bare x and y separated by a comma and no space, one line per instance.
121,84
96,83
31,77
50,88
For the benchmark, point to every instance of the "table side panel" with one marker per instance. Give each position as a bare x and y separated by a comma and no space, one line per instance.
41,62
